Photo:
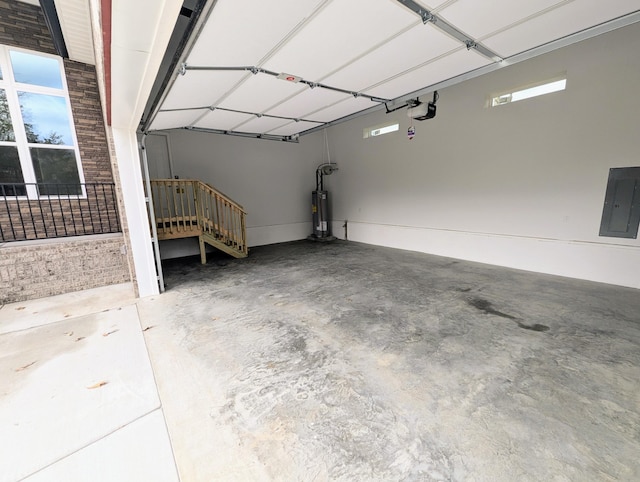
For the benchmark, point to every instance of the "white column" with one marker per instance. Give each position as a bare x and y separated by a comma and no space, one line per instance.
128,159
140,34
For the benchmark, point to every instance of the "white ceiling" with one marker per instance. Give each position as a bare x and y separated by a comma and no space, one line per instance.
75,22
377,48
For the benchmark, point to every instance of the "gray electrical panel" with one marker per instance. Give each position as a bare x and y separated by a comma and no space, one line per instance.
621,212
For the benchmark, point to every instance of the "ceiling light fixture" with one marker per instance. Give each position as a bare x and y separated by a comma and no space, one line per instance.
422,111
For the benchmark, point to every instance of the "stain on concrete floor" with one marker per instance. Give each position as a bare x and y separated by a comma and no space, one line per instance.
344,361
487,307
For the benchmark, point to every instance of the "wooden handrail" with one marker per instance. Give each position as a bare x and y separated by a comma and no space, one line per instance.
221,217
190,207
221,194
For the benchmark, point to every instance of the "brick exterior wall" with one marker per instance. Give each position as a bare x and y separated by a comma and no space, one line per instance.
82,83
30,271
23,25
38,269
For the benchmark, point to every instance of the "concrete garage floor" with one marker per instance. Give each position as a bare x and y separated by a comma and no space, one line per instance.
345,361
324,362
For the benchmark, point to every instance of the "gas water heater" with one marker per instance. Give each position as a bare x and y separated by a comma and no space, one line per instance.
320,204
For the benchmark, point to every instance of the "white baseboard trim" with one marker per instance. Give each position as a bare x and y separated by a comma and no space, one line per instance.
600,262
279,233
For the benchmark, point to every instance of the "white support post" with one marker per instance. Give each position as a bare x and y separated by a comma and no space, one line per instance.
151,213
127,154
137,49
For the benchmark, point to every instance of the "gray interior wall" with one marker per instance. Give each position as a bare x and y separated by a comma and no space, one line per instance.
519,185
158,155
271,180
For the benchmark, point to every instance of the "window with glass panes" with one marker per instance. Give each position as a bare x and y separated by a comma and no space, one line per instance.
38,148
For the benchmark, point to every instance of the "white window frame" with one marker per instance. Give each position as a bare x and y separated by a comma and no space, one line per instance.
11,88
529,91
380,130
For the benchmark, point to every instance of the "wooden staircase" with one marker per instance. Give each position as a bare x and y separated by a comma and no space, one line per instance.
187,208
